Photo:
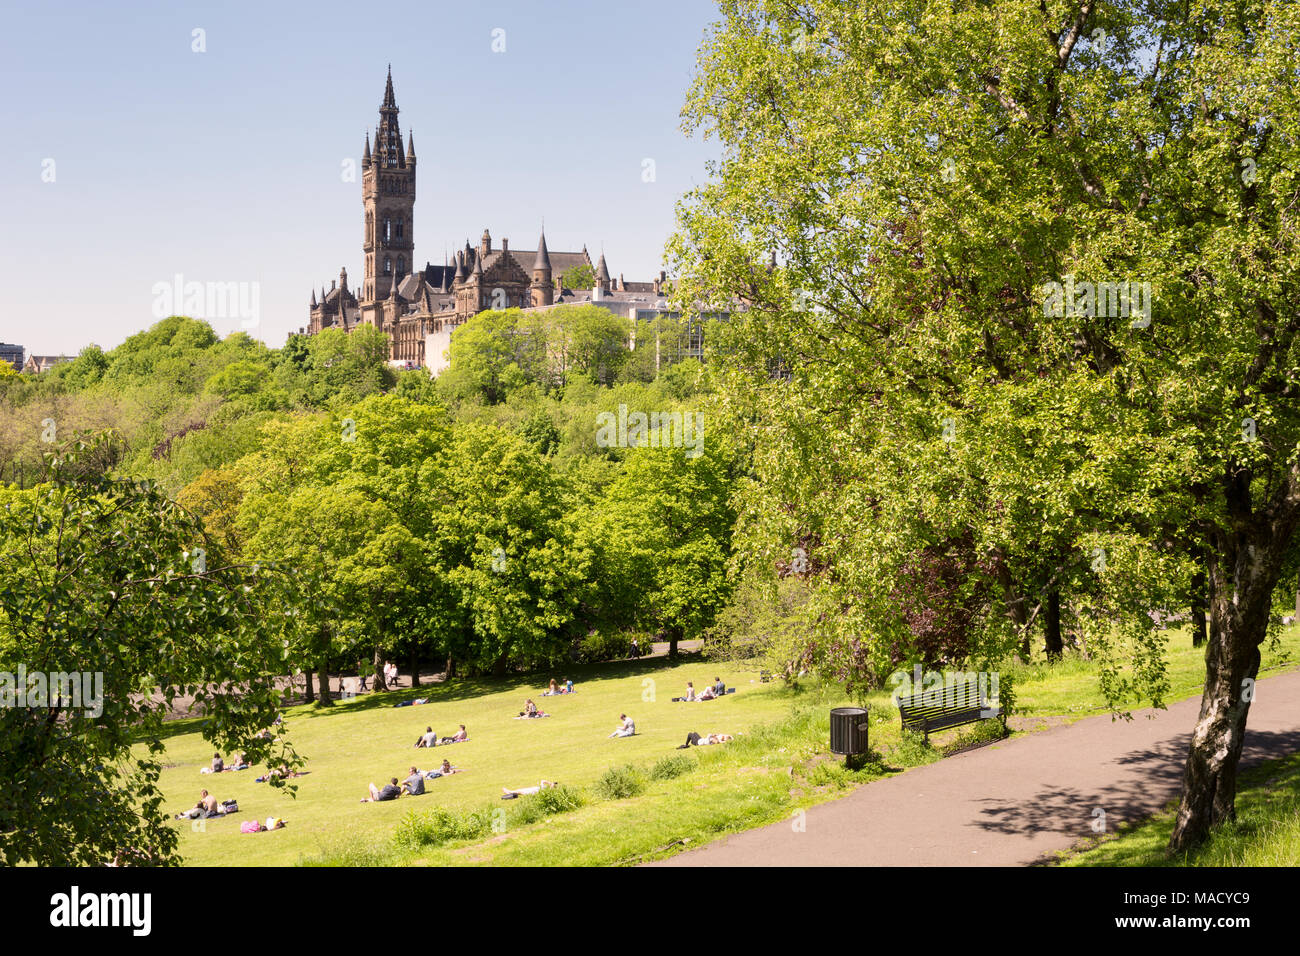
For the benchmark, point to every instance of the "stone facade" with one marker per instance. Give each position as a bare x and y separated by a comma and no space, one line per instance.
419,308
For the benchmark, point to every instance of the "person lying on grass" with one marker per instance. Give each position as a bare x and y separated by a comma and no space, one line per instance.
508,794
281,771
442,771
427,739
239,763
391,791
704,741
456,738
414,783
625,728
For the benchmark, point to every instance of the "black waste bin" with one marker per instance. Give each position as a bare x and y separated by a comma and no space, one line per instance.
849,731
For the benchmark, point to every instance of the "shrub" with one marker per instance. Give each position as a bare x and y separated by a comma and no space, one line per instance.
672,766
441,825
598,647
618,783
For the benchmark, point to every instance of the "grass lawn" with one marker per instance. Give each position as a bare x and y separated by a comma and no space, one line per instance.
779,766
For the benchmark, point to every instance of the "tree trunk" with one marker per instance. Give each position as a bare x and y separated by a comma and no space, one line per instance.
415,668
380,683
499,665
1198,599
325,697
1241,580
1052,625
451,669
308,692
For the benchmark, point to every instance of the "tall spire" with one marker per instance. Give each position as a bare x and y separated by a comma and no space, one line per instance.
388,137
390,101
313,298
366,158
602,272
410,146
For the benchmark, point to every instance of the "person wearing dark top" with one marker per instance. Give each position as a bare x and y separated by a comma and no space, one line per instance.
719,688
217,763
391,791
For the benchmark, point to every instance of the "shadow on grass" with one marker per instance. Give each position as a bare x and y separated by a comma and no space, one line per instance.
525,685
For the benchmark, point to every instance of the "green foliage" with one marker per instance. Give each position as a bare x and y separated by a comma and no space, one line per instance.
619,783
578,278
110,578
672,766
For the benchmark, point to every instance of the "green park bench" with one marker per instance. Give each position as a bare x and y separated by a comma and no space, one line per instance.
942,708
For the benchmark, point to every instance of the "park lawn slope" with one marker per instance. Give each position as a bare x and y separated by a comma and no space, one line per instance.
778,766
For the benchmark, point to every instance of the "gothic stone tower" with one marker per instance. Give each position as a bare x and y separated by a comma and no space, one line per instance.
388,194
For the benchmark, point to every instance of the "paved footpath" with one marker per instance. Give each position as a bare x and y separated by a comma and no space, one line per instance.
1010,803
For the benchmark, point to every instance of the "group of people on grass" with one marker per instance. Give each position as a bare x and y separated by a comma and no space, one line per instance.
430,739
555,690
412,786
220,766
718,689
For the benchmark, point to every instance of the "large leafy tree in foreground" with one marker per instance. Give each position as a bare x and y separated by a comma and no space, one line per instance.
923,174
111,579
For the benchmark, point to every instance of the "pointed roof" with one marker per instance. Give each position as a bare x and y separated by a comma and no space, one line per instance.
410,145
602,270
366,158
478,265
543,260
460,266
390,101
313,298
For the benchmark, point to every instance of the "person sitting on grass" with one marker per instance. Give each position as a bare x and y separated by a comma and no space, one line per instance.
427,739
508,794
626,727
530,710
414,783
458,737
391,791
704,741
552,690
218,764
719,688
707,694
239,763
568,686
690,691
206,807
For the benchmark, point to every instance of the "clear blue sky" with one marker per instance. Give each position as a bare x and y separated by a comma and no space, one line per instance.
226,165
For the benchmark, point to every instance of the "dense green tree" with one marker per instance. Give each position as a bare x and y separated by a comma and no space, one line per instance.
1034,263
109,578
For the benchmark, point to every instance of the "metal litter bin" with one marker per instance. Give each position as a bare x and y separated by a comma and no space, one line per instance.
849,731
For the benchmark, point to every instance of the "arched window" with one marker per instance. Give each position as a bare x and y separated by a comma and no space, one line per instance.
399,227
388,229
388,266
401,265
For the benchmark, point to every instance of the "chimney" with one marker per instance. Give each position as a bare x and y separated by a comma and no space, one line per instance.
505,247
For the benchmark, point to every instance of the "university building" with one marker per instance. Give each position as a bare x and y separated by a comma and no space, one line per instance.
419,307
